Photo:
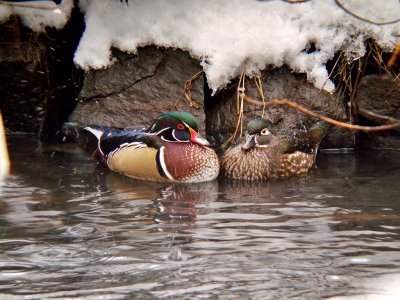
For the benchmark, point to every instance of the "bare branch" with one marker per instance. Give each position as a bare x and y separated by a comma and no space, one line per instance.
188,93
393,58
362,18
298,107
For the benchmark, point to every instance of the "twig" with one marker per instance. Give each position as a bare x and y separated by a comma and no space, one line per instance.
240,104
295,1
188,93
257,81
393,58
16,4
326,80
227,142
353,103
362,18
326,119
239,90
377,118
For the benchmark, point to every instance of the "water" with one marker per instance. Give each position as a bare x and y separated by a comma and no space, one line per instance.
71,230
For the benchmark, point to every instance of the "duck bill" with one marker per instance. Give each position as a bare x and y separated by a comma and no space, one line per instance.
196,138
250,141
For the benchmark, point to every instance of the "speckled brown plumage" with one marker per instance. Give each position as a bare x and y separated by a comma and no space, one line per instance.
264,155
263,163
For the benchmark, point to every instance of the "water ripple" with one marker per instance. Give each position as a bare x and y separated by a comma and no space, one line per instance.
72,230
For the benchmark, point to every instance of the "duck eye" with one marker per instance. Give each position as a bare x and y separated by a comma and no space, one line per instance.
180,126
265,131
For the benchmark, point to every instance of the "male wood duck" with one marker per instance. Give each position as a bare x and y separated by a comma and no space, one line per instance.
169,150
264,155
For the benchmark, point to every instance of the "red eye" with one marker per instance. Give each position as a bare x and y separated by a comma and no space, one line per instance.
180,126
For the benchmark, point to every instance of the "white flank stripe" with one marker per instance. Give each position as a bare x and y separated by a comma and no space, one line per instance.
163,166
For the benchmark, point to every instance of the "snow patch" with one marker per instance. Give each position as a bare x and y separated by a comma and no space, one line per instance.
38,15
226,36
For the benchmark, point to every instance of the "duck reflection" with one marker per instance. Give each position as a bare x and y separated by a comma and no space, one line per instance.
175,206
128,188
270,191
179,205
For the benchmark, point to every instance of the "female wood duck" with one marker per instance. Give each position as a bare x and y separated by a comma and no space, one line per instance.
169,150
264,155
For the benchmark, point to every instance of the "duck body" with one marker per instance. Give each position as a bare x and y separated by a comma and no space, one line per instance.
264,155
169,151
258,164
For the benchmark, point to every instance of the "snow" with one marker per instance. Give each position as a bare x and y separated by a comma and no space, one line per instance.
38,15
228,36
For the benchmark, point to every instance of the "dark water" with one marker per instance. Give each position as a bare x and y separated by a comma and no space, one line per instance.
71,230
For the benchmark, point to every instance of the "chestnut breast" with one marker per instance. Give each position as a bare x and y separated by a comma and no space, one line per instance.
189,162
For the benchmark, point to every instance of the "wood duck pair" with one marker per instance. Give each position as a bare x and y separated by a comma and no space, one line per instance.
172,150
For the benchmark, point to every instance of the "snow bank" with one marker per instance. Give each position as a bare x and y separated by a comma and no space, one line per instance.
38,15
227,36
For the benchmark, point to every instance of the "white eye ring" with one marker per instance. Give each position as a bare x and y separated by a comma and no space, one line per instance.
265,131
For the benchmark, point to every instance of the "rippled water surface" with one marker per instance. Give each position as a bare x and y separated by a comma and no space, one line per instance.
70,229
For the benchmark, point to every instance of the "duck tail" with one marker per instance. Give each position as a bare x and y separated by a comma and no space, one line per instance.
317,133
73,130
319,130
324,125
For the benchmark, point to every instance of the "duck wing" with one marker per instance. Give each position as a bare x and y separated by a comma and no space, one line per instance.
112,140
132,152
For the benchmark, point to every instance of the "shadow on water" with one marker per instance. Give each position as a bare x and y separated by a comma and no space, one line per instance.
70,229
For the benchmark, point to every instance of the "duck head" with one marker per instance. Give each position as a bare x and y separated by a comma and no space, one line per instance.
177,126
259,134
